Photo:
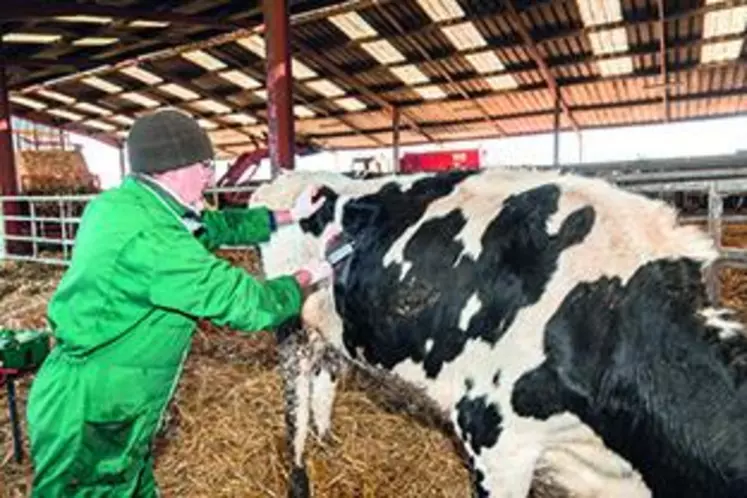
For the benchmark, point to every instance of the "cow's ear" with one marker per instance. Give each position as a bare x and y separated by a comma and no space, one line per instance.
316,223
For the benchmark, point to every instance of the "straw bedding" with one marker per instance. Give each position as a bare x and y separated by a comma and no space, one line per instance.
224,430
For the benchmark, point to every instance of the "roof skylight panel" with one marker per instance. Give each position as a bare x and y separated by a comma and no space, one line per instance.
240,79
326,88
350,104
720,51
354,26
254,44
464,36
27,102
31,38
301,71
616,66
95,123
431,92
485,62
59,97
240,118
179,91
94,109
609,41
205,60
502,82
208,105
409,74
102,84
141,75
301,111
598,12
383,51
140,99
441,10
72,116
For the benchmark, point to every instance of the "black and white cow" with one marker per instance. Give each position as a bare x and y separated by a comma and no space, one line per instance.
557,321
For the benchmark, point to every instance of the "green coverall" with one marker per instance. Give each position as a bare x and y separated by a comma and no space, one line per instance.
123,317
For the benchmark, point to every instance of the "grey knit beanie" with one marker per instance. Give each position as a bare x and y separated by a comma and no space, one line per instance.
166,140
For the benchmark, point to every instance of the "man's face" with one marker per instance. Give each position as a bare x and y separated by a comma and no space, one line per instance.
194,180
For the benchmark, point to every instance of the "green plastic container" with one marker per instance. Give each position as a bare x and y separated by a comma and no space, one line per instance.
23,349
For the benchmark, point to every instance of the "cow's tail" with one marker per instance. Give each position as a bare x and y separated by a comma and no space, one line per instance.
295,366
328,367
311,370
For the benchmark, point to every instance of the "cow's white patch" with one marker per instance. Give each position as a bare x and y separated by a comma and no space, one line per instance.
428,345
322,400
718,319
470,309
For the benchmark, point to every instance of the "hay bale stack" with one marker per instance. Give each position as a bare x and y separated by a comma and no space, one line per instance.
49,172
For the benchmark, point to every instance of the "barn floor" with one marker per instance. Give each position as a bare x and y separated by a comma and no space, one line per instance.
224,436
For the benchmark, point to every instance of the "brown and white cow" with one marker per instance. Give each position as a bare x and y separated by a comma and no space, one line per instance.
557,321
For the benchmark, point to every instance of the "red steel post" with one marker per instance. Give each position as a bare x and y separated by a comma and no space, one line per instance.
279,85
8,176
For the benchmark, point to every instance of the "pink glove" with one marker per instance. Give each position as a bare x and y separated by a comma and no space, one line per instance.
304,206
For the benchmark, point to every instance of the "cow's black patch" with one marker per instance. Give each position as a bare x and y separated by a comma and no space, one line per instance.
479,422
497,378
640,367
478,486
316,223
390,320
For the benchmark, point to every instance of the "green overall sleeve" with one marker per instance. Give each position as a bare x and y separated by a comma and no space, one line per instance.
185,276
236,226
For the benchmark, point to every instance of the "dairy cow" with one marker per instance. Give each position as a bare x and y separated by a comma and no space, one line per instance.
557,321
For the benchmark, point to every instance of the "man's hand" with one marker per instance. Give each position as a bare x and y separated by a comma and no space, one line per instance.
313,273
304,206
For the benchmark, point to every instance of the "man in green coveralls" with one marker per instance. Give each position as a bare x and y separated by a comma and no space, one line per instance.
123,315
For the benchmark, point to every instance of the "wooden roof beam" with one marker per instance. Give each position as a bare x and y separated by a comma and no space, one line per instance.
203,93
423,53
259,76
353,82
551,35
549,111
517,24
17,9
663,55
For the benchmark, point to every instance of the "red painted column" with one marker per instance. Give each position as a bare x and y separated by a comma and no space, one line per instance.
8,177
279,85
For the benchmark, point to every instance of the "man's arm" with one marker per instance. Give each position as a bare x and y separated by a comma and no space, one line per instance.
238,226
184,276
249,226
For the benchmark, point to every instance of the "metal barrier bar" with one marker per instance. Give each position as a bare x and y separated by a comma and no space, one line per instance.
715,211
48,198
43,218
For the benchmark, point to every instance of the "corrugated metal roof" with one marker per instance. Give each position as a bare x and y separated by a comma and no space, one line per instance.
478,69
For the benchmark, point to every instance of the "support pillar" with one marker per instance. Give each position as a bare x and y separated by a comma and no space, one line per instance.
279,85
122,162
8,175
395,141
556,130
